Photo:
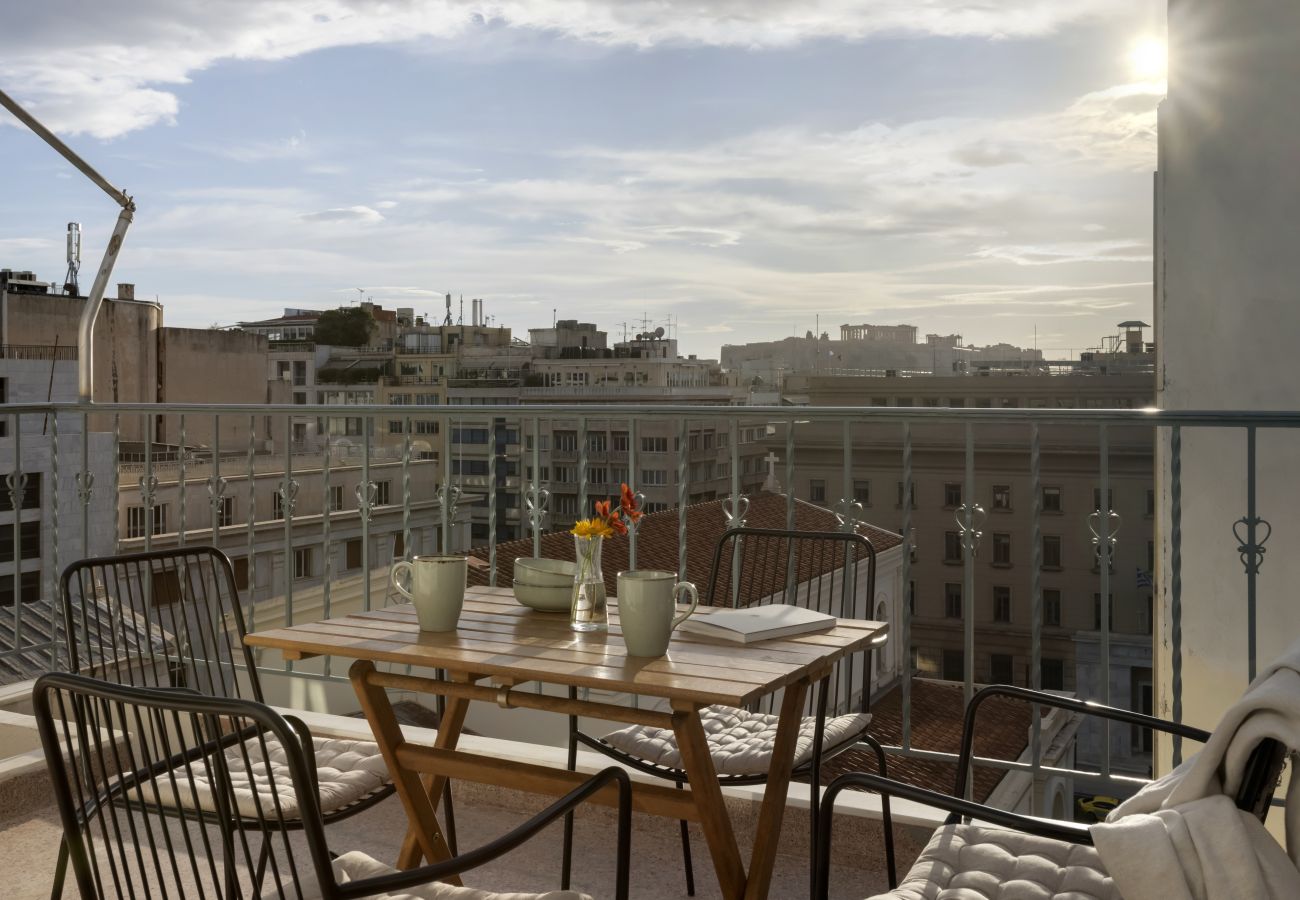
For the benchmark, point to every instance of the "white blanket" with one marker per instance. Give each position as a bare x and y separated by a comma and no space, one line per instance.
1183,838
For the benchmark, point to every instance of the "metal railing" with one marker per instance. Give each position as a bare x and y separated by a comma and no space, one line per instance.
298,523
42,352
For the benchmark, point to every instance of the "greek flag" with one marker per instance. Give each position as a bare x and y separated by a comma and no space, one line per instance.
1143,579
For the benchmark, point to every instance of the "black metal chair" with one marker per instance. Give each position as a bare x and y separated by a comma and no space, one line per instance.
1055,841
833,572
118,756
173,618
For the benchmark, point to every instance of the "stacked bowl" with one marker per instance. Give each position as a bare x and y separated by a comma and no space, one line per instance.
544,584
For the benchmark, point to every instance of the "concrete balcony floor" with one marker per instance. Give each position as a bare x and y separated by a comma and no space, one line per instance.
29,845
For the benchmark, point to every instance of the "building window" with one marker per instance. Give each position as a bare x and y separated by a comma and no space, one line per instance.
951,495
29,587
954,668
899,501
862,492
618,441
136,518
1096,613
566,474
817,490
952,600
911,597
382,492
565,504
29,542
240,565
336,497
1001,603
1052,607
395,426
277,506
480,436
1002,496
1053,674
1051,551
352,559
654,477
1052,499
1001,549
302,562
598,442
952,547
1151,502
654,445
226,512
597,475
1000,668
566,441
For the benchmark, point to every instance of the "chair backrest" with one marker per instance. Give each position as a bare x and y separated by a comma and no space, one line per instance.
167,618
118,755
829,571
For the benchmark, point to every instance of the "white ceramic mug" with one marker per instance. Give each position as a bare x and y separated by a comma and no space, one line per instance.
437,589
647,606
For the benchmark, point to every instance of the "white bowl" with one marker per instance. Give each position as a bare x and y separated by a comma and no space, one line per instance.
545,572
545,597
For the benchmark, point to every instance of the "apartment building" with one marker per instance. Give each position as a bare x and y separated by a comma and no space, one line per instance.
1001,604
38,363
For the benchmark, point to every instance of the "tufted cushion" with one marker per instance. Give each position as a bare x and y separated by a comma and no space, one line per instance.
347,771
974,862
356,865
740,742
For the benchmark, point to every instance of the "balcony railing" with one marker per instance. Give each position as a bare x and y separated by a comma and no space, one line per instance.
42,352
297,523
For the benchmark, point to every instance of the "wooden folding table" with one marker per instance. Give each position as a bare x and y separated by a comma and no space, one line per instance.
500,645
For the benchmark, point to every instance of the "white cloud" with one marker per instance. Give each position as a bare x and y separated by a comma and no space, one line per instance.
1068,252
345,214
103,68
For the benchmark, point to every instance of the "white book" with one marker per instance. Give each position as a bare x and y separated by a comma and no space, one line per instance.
757,623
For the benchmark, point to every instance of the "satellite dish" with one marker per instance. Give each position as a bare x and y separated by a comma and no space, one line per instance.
659,332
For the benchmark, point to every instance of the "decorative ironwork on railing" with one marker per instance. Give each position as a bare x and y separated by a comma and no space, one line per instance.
308,518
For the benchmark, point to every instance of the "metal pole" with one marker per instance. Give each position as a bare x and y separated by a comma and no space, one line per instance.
86,329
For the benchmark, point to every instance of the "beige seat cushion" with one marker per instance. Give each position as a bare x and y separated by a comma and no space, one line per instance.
974,862
347,772
740,742
356,865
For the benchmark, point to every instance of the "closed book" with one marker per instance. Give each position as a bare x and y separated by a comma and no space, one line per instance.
757,623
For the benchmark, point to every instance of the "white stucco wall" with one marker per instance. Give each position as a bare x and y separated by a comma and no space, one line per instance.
1228,323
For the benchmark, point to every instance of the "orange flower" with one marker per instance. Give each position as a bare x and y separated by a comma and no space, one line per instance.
608,521
627,503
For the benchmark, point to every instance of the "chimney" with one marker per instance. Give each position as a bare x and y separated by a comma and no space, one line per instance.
125,291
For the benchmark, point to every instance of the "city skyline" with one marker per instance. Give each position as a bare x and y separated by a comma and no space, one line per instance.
745,168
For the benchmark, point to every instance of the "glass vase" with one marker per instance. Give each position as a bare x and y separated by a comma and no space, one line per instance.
587,610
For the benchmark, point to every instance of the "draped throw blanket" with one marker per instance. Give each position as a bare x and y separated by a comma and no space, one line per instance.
1182,836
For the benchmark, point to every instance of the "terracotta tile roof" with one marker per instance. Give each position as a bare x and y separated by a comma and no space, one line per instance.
1001,732
657,541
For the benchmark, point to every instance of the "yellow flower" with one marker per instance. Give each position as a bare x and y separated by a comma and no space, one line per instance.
589,528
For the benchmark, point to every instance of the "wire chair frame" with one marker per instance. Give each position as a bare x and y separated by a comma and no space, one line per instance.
215,839
159,619
829,571
171,619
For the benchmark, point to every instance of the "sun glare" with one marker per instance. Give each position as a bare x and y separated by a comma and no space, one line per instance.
1147,58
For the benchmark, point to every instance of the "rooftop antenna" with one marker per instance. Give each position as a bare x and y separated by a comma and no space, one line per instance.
74,258
86,329
447,319
361,292
461,320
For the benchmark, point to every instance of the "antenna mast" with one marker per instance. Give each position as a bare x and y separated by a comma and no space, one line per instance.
74,259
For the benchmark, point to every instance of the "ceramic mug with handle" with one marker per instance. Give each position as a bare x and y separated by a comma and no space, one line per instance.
437,589
647,609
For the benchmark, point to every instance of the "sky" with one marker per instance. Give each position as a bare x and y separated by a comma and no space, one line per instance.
736,170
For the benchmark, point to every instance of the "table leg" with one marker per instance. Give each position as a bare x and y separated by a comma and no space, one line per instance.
424,832
768,835
449,728
707,794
